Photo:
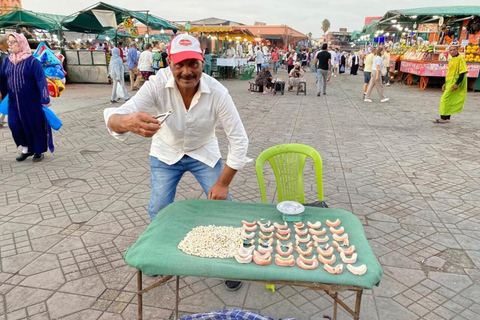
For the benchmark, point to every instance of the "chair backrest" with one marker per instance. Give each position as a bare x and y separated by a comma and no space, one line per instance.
287,162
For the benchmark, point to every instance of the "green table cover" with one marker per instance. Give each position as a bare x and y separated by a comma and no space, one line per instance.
156,252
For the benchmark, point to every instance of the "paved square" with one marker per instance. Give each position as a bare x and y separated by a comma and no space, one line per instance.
66,222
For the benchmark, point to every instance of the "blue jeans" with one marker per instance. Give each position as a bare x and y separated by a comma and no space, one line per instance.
165,179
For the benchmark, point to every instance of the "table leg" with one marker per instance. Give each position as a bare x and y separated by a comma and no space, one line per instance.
335,306
357,305
177,289
139,295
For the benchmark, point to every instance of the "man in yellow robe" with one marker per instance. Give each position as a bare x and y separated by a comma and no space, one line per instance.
455,87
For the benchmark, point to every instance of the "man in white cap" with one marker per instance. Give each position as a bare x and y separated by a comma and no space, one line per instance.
185,141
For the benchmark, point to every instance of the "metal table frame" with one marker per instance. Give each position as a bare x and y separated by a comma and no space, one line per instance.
331,289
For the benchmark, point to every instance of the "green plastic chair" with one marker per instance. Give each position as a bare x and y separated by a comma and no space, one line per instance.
248,72
288,161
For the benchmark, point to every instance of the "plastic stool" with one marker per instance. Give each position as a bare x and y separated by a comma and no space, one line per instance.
279,87
270,287
304,85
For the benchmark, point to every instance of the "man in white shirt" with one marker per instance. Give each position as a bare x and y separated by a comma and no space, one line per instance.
333,54
230,53
240,49
186,141
259,59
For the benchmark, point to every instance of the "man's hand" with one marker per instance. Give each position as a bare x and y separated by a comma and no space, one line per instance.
443,88
142,124
219,191
454,87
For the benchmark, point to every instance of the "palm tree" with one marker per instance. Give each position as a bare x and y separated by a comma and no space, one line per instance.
325,26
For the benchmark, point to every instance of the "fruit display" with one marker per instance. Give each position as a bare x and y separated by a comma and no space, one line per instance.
472,53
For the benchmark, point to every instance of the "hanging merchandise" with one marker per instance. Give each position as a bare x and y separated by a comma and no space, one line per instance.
128,23
134,31
52,68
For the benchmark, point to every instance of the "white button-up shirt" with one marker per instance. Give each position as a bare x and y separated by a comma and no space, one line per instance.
189,132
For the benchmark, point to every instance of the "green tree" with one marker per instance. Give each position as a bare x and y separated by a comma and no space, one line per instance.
325,26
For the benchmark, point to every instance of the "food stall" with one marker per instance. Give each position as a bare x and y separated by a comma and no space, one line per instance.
431,63
419,40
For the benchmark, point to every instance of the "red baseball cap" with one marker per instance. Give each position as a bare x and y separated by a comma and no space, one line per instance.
184,47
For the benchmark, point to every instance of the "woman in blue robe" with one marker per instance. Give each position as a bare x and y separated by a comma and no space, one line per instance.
22,78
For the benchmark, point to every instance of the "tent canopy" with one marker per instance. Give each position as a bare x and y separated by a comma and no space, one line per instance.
438,11
356,34
371,27
26,18
87,19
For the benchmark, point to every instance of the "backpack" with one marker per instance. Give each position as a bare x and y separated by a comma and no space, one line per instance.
157,61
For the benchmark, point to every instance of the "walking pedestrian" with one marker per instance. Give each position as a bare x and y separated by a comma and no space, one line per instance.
116,71
186,141
376,80
343,62
22,78
275,60
355,62
145,62
367,70
290,61
132,64
332,55
3,55
386,67
207,57
455,87
304,59
259,59
323,64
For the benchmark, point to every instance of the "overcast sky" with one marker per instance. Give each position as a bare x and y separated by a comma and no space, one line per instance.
302,15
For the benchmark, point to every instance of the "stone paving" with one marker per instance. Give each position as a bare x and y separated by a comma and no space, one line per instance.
66,222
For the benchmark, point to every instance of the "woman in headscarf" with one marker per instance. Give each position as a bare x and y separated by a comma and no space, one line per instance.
295,76
116,71
265,79
22,78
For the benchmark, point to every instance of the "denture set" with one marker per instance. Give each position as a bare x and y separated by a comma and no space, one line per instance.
310,241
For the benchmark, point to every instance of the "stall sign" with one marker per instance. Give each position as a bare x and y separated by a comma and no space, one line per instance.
428,27
434,69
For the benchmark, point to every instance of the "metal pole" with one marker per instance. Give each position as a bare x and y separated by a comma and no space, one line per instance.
148,40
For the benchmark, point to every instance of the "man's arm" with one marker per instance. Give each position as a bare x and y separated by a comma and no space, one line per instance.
238,145
219,191
460,79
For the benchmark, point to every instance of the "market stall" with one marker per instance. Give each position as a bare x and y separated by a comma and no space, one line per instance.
91,66
422,64
159,250
419,39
